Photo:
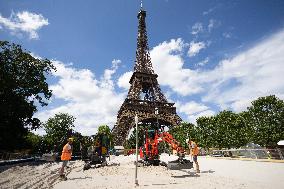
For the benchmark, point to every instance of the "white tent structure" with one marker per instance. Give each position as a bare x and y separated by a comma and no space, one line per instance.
281,143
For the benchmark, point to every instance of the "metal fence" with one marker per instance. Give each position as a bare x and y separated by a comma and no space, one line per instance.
10,156
276,153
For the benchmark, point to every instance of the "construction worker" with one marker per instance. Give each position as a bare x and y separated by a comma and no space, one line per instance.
66,156
98,147
194,152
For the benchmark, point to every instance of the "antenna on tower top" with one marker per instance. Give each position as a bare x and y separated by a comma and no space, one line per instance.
141,4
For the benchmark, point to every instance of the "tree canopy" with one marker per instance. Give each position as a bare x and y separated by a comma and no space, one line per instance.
104,129
183,132
266,118
23,86
58,129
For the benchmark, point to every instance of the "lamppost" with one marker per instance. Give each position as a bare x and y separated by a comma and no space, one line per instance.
136,163
157,113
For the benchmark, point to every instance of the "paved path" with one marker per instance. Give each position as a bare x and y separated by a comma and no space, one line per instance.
266,174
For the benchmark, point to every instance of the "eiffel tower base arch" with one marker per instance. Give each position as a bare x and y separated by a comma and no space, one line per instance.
145,111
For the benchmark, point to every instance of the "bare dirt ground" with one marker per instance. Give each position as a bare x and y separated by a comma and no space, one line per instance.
215,173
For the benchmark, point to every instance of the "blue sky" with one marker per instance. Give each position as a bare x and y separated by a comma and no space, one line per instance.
209,55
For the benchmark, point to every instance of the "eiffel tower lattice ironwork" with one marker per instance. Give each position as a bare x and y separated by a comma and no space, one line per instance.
144,95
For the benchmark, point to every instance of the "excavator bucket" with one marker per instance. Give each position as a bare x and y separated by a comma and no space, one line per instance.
180,164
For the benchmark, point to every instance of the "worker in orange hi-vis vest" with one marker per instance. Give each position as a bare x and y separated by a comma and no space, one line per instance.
194,152
65,157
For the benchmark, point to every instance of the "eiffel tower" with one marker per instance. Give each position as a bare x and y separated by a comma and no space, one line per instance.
144,97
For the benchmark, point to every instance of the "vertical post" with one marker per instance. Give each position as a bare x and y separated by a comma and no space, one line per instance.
157,113
227,138
136,163
157,123
109,149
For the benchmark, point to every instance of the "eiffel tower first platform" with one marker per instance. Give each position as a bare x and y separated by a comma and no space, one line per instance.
144,96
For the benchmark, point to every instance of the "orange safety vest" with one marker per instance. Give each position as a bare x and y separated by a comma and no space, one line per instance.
66,154
194,150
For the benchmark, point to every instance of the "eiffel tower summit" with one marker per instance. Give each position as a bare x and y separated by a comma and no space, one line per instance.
145,98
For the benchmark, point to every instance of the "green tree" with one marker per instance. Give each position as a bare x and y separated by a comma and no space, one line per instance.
22,87
34,142
229,130
104,130
206,132
266,117
245,131
224,130
58,129
183,132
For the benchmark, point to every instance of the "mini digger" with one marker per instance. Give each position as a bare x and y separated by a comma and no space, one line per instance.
149,153
97,153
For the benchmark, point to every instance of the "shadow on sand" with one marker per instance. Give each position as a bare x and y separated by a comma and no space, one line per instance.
80,178
191,174
113,164
209,171
184,176
159,184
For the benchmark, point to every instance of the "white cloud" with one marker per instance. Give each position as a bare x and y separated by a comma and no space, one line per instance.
195,48
227,35
251,74
213,24
203,62
24,22
123,81
106,81
93,102
209,11
193,110
197,28
192,118
168,64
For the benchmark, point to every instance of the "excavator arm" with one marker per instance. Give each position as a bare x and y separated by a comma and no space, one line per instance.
180,163
168,138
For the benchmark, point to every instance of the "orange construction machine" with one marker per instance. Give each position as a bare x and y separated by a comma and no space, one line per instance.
149,153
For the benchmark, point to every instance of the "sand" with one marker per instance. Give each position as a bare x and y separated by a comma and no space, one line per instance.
119,174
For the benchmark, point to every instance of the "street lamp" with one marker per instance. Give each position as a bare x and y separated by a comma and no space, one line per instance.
157,113
136,163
